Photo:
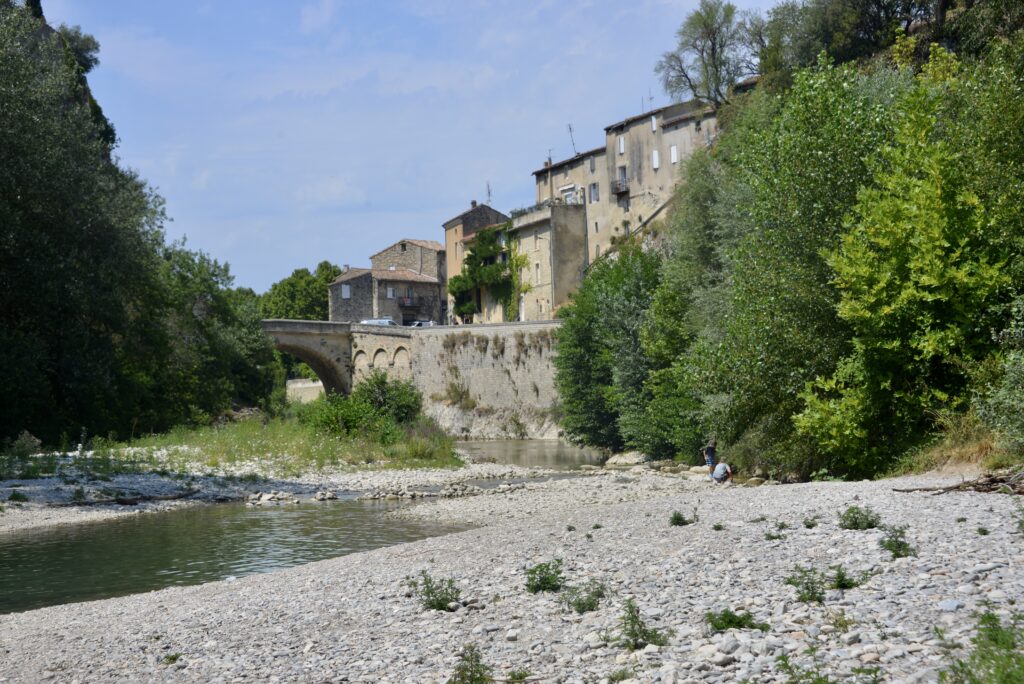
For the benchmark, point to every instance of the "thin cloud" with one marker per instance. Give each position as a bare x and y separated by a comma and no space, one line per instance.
317,16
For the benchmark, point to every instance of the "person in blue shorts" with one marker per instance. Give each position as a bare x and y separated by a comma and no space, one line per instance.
709,457
722,473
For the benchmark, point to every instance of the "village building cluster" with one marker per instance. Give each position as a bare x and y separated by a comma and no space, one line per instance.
583,207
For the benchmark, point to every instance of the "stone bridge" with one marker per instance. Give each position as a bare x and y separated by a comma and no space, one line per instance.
341,352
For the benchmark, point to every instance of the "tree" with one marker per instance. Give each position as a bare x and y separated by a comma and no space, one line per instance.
711,55
302,295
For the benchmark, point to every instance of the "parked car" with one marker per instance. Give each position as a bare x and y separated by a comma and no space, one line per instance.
377,321
422,324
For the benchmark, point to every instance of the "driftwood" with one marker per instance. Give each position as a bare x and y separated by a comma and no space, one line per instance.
1005,483
128,500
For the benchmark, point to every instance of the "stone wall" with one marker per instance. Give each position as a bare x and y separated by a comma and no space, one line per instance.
488,381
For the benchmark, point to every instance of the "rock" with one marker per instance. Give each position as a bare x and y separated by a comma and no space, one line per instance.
851,638
949,605
512,635
630,458
754,481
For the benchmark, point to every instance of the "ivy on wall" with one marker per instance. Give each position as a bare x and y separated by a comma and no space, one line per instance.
492,267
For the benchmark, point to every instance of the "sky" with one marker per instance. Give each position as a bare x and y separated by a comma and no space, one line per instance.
282,133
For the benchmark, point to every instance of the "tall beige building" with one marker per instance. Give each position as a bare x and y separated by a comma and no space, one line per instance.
629,181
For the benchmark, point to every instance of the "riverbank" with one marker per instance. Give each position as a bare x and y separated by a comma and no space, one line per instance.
349,618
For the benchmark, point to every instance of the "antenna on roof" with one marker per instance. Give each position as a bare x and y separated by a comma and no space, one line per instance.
572,140
650,99
488,192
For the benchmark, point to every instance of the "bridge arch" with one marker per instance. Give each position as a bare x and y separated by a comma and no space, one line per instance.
325,346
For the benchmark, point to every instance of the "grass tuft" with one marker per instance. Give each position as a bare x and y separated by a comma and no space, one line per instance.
997,656
857,518
726,619
545,577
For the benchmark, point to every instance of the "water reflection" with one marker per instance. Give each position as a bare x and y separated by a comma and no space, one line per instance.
545,453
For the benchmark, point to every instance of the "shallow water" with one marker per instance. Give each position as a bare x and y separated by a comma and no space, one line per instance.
193,545
535,453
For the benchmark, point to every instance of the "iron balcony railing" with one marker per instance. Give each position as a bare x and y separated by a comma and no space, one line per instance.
620,185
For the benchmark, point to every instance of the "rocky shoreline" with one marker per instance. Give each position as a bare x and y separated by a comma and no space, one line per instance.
350,618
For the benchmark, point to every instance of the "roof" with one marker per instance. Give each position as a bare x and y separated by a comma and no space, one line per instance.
425,244
672,110
691,114
402,275
572,160
483,212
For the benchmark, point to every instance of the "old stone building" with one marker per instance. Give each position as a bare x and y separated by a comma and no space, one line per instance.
553,240
630,179
459,233
406,282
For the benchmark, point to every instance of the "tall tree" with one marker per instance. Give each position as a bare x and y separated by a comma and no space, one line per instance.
302,295
711,56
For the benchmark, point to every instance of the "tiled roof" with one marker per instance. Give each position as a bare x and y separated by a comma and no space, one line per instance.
425,244
571,160
401,275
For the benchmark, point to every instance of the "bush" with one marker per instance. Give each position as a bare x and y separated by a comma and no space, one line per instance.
841,580
809,583
584,598
17,496
471,668
856,518
726,619
544,577
895,542
997,657
635,633
434,594
677,519
397,399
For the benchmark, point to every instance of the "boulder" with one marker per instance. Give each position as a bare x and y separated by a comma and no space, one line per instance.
628,459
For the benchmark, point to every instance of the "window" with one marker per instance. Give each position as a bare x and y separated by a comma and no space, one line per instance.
536,240
401,247
565,172
622,144
391,293
408,291
597,251
346,291
593,164
655,159
622,174
596,229
536,273
595,195
673,154
654,124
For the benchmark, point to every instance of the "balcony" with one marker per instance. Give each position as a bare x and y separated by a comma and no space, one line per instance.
412,302
620,186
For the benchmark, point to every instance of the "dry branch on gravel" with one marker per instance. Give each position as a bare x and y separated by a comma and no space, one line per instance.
1005,482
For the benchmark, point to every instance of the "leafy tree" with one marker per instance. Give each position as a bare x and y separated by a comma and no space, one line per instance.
485,269
712,55
302,295
83,47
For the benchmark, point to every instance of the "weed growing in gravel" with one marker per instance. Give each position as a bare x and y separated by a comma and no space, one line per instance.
570,528
17,496
810,523
596,526
544,577
781,526
678,519
895,542
584,598
589,536
773,536
719,622
79,494
518,676
961,519
816,675
839,621
621,675
718,527
471,668
842,580
983,531
635,633
857,518
433,594
809,583
1018,515
170,658
998,655
758,519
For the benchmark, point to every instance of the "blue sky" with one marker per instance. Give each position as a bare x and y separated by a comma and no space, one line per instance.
284,133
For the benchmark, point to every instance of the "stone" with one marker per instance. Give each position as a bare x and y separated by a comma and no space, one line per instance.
629,458
512,635
949,605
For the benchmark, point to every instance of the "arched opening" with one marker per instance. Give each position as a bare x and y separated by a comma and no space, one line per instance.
402,363
360,365
330,375
380,360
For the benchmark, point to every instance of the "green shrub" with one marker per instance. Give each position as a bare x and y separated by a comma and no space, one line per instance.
584,598
773,536
809,584
635,633
997,656
983,531
570,528
781,526
520,675
434,594
459,395
397,399
842,580
857,518
471,668
596,526
677,519
17,496
895,542
544,577
810,523
726,619
79,494
621,675
718,527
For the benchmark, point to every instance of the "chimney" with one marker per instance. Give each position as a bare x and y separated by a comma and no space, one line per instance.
472,204
344,269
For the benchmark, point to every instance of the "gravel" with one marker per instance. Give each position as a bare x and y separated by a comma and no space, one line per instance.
350,618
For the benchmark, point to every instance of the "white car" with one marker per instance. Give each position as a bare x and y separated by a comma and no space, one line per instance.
422,324
377,321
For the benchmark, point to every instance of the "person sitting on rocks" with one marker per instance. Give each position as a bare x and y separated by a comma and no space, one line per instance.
722,473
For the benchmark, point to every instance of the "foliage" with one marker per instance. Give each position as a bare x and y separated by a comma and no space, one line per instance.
997,657
809,584
584,598
397,399
484,269
815,674
17,496
635,632
622,674
302,295
710,57
678,519
520,675
857,518
434,594
471,668
842,580
1001,405
601,368
726,619
103,325
545,577
811,522
895,542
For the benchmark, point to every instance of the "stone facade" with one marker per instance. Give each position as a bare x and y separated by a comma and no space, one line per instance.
419,256
553,239
457,233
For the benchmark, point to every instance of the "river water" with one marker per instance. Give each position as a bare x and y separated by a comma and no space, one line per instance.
199,544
